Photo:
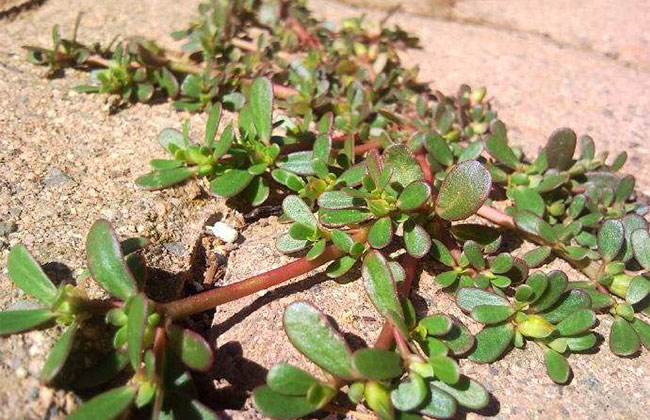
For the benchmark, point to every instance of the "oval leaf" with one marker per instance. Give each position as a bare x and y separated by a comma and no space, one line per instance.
59,354
312,334
106,406
492,342
231,183
27,274
106,261
193,350
463,191
380,286
12,322
377,364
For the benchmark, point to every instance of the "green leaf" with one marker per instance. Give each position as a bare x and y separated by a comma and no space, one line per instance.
377,364
343,217
447,278
463,191
623,339
437,325
577,322
165,164
59,354
300,163
381,233
27,274
193,350
434,347
298,211
642,328
551,181
226,139
611,236
557,367
502,263
438,148
625,189
231,183
530,200
498,148
414,195
557,283
492,342
342,240
336,200
410,393
165,178
416,239
12,322
438,404
459,339
637,290
289,380
474,254
353,176
536,257
261,102
171,139
467,298
380,286
560,148
441,253
491,314
446,369
316,250
406,169
378,400
568,303
581,342
106,406
106,261
108,368
279,406
467,392
286,244
135,327
340,266
213,124
640,240
313,335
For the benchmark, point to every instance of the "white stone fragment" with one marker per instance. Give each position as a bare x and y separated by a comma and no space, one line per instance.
224,232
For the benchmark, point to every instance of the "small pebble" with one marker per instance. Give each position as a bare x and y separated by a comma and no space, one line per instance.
224,232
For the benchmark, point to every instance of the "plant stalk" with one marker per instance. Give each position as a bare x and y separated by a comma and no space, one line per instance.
215,297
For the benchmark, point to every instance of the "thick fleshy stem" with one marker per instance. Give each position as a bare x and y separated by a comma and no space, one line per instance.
215,297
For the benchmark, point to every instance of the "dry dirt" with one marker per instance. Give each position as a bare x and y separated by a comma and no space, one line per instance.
64,163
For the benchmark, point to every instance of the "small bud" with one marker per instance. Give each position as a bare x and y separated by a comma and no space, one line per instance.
154,319
478,95
626,311
378,399
355,392
117,317
620,284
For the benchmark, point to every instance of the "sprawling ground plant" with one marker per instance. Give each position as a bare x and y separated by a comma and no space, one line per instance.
375,171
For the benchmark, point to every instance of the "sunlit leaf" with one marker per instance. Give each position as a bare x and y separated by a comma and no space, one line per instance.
14,321
560,148
410,393
492,342
193,350
231,183
312,334
106,261
623,339
27,274
557,367
106,406
377,364
59,354
463,191
380,286
138,312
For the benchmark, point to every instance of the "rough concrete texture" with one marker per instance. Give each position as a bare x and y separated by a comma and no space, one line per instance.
65,163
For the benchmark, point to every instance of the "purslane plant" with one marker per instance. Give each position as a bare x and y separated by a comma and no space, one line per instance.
377,171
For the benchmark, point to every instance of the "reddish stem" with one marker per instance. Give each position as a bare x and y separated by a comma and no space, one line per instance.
215,297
